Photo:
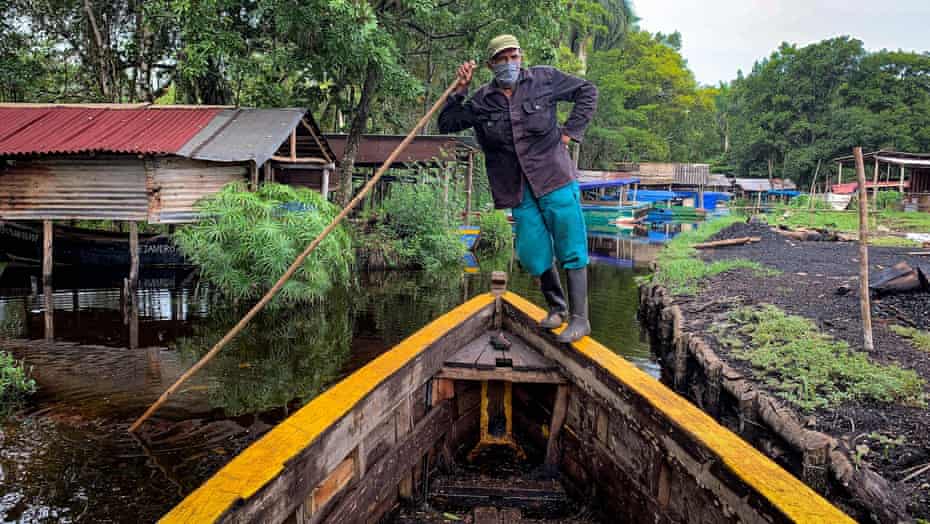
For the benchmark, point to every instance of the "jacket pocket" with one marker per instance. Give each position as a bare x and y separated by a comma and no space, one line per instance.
539,115
495,127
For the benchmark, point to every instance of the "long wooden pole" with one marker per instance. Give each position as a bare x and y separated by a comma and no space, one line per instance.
297,262
865,307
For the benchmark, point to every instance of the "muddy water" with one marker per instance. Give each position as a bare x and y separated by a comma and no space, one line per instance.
100,360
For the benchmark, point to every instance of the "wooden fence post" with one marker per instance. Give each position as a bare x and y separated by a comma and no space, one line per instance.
865,307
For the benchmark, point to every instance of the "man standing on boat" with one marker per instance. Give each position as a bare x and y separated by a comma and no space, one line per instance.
530,170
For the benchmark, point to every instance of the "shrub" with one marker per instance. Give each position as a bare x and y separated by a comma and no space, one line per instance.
245,241
15,383
496,232
415,227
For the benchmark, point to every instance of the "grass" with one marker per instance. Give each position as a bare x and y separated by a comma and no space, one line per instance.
891,241
848,221
15,383
919,339
679,268
811,369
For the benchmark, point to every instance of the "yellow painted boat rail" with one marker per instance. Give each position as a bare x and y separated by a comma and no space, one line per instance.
264,460
795,499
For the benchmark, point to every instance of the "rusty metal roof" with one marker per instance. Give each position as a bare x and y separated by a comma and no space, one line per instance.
36,129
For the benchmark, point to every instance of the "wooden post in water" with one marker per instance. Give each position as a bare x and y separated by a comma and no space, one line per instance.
865,307
47,234
49,305
469,179
133,255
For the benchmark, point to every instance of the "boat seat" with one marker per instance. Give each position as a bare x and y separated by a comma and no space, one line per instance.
479,360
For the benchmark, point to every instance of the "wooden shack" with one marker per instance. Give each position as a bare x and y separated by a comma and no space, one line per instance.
144,163
908,173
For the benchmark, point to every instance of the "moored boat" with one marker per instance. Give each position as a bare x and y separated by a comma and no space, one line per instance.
22,243
485,378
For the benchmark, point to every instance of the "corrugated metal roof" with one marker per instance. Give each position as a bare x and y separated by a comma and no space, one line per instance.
852,187
31,130
238,135
692,174
762,184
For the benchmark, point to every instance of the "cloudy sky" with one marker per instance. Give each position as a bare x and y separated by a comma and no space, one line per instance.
721,36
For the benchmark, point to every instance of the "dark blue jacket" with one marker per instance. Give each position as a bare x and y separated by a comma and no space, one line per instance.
520,136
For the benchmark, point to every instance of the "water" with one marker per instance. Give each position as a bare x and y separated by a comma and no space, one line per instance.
100,361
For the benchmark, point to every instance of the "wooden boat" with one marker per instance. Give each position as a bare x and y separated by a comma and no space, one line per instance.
618,215
22,243
406,426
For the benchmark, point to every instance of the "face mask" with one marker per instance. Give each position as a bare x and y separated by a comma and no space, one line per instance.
506,74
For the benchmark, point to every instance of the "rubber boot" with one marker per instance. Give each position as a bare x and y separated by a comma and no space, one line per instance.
555,298
578,325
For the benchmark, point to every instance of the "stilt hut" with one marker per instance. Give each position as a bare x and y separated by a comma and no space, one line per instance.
142,163
907,173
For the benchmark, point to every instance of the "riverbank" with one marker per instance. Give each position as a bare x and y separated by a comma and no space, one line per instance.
854,426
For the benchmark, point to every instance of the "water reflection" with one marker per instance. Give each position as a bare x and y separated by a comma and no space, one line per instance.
277,358
101,356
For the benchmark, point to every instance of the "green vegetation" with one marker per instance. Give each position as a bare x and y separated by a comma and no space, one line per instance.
801,106
496,232
246,240
848,221
15,383
679,268
919,339
811,369
413,228
890,241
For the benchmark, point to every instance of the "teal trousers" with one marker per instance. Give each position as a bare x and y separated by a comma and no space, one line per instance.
551,226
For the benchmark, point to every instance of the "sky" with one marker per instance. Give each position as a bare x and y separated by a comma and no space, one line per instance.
720,37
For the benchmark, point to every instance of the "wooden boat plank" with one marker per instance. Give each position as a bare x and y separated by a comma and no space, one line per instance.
468,356
525,358
380,481
503,374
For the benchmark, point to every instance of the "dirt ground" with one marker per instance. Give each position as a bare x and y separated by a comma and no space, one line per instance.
812,274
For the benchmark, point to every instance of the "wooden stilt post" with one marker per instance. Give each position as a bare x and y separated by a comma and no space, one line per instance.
49,306
875,182
901,181
294,144
469,176
839,172
269,173
47,234
133,255
324,188
865,307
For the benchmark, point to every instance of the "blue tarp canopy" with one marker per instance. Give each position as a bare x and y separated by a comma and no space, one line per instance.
652,195
783,192
711,198
608,183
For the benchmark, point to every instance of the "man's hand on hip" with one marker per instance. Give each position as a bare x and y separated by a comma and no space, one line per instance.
566,139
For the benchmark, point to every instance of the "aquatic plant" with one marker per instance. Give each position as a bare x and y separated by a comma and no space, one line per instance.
244,241
680,269
414,227
496,232
812,369
15,383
